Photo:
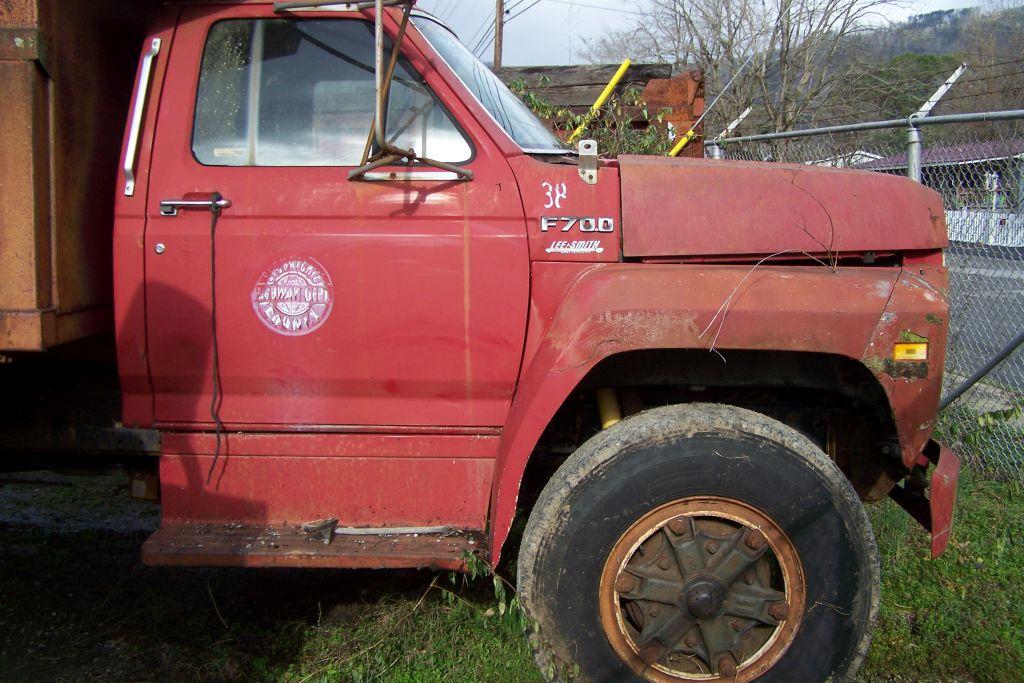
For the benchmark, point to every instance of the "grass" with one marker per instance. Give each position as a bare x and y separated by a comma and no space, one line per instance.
447,634
961,616
79,606
991,441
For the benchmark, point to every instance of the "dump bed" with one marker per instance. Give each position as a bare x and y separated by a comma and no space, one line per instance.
66,71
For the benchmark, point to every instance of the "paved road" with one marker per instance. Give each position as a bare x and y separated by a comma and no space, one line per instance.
987,311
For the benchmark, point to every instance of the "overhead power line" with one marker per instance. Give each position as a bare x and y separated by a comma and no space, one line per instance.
484,42
894,88
902,87
512,7
489,36
481,30
519,14
618,10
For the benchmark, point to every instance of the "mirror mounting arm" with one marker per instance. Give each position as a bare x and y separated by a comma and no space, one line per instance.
387,153
393,155
383,81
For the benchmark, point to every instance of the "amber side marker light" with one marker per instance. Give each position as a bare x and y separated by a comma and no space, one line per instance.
915,351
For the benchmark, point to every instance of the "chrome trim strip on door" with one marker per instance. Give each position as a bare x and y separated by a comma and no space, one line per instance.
412,175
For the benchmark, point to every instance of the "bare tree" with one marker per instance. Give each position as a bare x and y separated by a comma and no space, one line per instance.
793,47
895,69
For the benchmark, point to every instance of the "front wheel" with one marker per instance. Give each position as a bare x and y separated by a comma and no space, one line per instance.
700,543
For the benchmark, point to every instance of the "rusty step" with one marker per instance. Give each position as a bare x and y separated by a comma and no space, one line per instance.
237,545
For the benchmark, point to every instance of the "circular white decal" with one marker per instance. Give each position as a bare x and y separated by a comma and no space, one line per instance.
294,297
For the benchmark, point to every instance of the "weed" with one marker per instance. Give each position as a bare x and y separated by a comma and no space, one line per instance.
959,616
80,605
972,433
614,125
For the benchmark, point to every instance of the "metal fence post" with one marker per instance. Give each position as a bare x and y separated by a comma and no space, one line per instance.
914,153
985,214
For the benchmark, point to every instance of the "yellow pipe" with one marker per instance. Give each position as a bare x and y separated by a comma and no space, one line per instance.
608,407
683,142
602,99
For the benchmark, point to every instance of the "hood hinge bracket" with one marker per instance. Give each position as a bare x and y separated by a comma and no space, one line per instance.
588,161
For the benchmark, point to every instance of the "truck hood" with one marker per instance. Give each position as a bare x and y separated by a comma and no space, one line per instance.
715,208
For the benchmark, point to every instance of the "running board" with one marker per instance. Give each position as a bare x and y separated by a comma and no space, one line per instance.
236,545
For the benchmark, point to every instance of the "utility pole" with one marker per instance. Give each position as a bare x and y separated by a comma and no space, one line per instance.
499,31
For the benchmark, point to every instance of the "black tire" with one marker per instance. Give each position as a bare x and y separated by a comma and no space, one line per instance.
672,453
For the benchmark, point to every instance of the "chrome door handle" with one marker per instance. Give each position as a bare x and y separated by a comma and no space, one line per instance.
170,207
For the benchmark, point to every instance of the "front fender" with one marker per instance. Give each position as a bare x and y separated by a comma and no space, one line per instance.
583,313
918,309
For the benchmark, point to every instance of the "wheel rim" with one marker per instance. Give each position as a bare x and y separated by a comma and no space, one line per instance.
702,588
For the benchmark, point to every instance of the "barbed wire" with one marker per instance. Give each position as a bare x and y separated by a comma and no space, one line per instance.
983,195
874,112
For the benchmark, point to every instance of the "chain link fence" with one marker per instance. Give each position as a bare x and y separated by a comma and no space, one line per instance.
978,168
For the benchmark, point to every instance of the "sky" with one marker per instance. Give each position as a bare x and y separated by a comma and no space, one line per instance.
554,31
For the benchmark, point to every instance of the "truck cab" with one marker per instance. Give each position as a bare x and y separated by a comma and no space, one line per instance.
374,317
685,375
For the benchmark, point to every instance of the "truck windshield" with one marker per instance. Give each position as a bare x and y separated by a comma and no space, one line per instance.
510,113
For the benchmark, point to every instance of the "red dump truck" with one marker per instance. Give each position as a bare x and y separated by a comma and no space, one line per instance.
370,311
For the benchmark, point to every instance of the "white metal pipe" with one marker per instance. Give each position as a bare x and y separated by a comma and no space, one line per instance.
927,107
914,154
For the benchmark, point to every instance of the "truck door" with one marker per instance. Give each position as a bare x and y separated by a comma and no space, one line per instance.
338,303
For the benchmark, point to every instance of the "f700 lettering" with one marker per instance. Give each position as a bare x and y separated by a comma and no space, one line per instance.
566,224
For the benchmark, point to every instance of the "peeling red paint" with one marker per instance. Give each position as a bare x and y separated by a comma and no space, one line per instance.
465,313
757,208
914,400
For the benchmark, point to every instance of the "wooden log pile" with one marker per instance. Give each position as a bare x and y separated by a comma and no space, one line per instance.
576,87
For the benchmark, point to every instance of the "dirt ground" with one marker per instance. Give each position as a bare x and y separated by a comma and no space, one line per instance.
77,604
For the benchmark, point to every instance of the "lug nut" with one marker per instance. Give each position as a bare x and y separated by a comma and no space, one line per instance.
625,583
711,547
726,666
654,610
755,541
678,526
691,640
749,578
737,625
779,611
664,562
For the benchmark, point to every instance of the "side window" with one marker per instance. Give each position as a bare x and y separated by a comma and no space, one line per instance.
282,92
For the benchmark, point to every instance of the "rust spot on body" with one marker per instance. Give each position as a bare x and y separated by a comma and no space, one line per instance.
912,370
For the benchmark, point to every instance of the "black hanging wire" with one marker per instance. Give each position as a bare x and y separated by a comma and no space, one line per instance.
215,399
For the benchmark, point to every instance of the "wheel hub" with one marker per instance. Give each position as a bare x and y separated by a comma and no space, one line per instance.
703,588
703,598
